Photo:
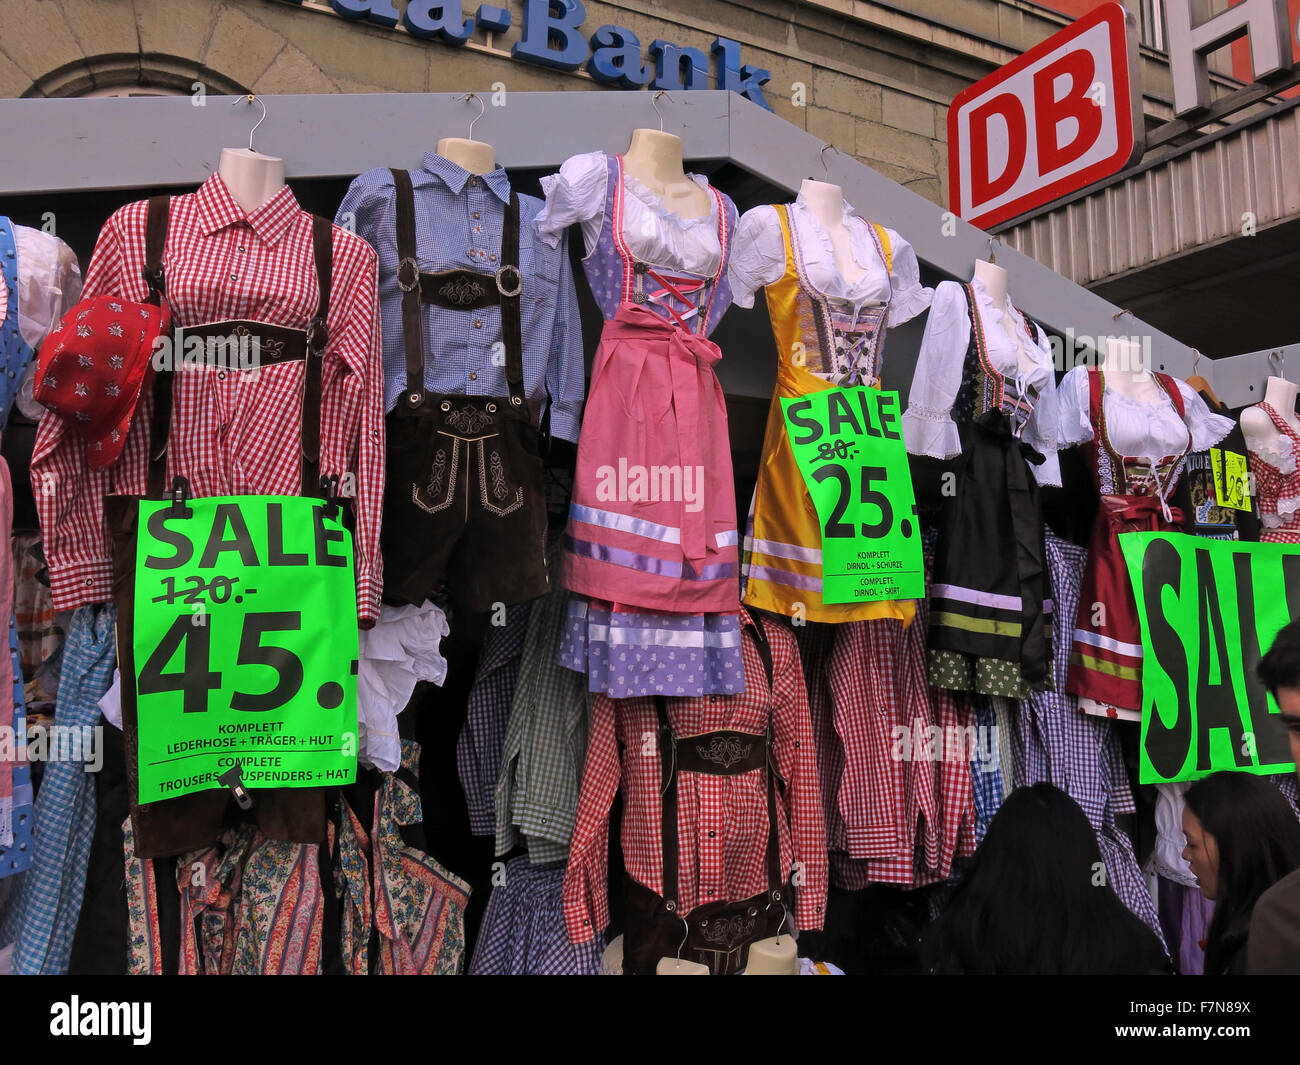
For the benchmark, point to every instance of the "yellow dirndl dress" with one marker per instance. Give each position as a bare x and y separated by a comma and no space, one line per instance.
819,347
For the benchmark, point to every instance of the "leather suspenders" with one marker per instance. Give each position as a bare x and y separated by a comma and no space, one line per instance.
293,343
464,290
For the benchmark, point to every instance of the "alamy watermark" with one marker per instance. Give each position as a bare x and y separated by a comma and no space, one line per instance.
1079,349
54,743
958,744
634,483
95,1018
240,349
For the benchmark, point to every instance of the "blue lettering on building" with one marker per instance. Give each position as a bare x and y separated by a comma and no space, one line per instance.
681,68
552,36
427,19
616,58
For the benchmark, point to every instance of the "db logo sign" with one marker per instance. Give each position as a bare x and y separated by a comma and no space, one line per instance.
1063,115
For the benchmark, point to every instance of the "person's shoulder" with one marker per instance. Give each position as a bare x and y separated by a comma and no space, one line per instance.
1284,895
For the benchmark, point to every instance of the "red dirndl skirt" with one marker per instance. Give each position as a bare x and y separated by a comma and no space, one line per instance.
1106,652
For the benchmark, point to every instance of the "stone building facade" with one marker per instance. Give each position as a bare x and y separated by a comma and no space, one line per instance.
872,80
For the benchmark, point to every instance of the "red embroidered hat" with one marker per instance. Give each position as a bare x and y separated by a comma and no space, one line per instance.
92,369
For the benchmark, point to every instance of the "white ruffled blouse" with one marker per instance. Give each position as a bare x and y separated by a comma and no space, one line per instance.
758,259
651,232
928,426
1137,429
49,284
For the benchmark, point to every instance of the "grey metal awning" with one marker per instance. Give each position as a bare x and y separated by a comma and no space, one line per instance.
56,147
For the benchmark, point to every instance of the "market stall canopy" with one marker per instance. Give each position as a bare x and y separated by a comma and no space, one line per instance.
62,154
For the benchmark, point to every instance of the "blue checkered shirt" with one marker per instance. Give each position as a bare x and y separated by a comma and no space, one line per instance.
459,217
50,901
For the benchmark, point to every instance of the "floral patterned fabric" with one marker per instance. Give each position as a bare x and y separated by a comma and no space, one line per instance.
350,846
143,940
253,905
419,907
383,883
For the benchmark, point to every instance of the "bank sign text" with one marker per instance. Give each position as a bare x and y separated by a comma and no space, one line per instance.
553,35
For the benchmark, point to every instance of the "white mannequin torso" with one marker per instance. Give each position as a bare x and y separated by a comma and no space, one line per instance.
1258,428
1122,365
676,967
251,177
994,280
826,202
654,158
475,156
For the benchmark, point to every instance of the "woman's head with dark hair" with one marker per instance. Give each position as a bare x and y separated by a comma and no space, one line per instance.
1242,838
1037,899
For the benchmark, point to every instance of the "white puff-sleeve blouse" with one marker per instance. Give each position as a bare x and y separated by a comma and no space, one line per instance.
652,232
758,259
1138,429
928,425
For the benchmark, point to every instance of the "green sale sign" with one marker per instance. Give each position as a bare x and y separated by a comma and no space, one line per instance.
245,645
849,448
1209,609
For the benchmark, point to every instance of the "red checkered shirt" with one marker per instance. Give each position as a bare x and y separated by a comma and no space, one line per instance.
722,824
236,432
904,809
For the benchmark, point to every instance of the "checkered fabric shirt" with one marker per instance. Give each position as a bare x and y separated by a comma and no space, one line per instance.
459,218
240,430
483,736
905,801
1080,753
722,820
523,930
546,739
867,696
987,783
45,916
910,816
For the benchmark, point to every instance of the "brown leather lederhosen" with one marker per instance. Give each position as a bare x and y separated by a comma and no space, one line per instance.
463,493
716,934
174,826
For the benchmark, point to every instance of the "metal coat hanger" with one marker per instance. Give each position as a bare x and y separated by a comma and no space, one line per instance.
482,107
654,102
252,99
1197,381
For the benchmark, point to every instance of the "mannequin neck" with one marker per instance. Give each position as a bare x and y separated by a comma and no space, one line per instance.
825,201
654,158
251,177
994,280
1280,394
475,156
1125,372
